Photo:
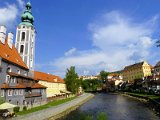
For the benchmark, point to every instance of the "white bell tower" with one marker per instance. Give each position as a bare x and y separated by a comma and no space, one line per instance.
25,37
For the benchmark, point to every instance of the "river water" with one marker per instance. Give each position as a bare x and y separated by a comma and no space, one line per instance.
116,107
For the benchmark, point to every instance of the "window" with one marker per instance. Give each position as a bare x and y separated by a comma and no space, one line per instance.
25,73
18,71
16,91
2,93
22,49
7,78
23,36
9,69
12,79
10,92
43,91
20,92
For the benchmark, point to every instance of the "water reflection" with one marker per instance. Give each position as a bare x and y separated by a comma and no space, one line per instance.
116,107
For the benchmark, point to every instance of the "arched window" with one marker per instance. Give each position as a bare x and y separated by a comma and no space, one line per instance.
21,48
23,36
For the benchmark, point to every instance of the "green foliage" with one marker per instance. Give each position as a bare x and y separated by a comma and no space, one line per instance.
24,108
101,116
71,80
91,85
16,109
2,100
88,117
103,75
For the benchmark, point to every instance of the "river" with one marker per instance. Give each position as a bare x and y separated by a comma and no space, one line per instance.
116,107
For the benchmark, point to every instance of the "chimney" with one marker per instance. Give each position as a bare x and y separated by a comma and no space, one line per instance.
3,30
10,39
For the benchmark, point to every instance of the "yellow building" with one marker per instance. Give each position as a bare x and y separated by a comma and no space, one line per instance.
136,71
55,85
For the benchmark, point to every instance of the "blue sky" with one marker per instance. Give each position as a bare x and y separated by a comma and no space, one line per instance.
92,35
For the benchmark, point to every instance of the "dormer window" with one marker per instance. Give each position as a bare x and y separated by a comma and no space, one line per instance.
25,73
18,71
9,69
55,79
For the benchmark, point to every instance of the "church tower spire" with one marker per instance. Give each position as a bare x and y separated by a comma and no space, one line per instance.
25,37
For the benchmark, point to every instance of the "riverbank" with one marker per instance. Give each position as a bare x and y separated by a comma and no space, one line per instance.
151,101
56,111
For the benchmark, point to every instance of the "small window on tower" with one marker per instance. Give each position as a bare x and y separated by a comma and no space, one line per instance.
23,36
21,48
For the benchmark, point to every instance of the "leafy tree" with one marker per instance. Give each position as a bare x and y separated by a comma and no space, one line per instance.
103,75
91,85
72,81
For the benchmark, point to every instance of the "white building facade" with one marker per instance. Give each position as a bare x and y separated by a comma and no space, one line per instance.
25,37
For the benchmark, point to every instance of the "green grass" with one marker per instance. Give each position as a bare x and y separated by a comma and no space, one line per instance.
50,104
154,97
101,116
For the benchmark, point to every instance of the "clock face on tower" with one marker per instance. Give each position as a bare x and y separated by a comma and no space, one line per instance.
25,37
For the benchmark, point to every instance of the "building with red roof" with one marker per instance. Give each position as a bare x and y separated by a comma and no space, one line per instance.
17,84
55,84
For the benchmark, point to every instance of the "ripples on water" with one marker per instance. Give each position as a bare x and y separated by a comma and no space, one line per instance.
115,106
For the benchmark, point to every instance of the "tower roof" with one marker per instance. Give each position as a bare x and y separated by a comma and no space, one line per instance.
27,17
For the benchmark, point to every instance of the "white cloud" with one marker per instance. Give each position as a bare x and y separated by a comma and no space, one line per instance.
70,52
120,42
8,14
21,4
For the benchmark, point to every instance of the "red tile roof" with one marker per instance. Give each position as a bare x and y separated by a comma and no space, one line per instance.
47,77
11,55
37,85
20,86
5,86
19,75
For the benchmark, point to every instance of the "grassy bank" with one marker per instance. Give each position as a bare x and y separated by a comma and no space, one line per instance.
86,116
50,104
153,97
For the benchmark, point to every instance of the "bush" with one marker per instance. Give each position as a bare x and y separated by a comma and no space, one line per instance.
88,117
101,116
24,108
16,109
2,100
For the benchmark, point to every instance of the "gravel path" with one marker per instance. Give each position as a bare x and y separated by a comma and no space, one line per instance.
49,113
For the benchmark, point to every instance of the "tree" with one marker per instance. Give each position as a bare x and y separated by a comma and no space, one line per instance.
103,75
91,84
72,81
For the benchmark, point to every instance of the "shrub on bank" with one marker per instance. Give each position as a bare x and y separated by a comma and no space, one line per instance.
101,116
24,108
16,109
